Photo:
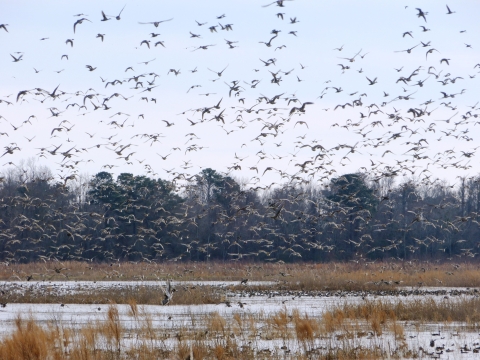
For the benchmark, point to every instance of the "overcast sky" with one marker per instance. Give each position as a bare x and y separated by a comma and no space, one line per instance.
307,66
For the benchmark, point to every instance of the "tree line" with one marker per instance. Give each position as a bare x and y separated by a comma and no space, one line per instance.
212,216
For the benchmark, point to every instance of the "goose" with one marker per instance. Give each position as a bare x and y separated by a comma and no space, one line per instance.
168,293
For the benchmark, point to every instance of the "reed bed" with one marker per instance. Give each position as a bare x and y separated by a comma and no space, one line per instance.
282,335
24,285
306,276
151,295
421,310
371,329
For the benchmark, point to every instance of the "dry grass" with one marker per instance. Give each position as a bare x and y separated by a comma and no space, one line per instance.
213,337
143,294
29,341
381,313
301,276
347,277
334,335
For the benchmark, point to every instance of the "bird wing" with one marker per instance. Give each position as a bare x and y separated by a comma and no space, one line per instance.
168,290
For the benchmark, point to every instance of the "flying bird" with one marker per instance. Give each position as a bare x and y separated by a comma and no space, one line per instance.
155,23
104,17
450,11
422,14
16,59
168,293
445,61
78,22
430,51
219,73
300,109
279,3
120,13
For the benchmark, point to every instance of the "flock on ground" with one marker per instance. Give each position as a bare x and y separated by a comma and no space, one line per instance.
188,213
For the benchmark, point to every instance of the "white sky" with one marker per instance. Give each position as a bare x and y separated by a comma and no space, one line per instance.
374,27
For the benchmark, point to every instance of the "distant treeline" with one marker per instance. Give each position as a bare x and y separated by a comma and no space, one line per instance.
214,217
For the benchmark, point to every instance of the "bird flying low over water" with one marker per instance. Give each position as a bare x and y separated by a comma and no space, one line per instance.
168,293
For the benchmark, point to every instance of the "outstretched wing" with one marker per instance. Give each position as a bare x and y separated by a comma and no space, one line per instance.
168,290
168,293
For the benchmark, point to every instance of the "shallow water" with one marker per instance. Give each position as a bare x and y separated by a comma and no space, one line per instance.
174,318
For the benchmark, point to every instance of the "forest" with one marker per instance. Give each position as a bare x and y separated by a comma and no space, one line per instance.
212,216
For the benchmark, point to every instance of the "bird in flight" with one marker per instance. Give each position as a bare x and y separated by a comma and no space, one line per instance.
220,72
104,17
78,22
279,3
120,13
450,11
16,59
168,293
155,23
422,14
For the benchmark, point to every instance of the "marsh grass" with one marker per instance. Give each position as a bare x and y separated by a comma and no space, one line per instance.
330,277
29,341
378,312
214,337
112,329
301,276
143,294
335,334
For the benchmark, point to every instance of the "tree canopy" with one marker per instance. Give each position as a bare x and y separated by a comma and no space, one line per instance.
212,216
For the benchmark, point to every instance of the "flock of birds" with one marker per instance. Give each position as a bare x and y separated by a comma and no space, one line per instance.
393,137
411,123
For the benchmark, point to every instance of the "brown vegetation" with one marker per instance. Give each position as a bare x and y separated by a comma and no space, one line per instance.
143,294
212,337
302,277
420,310
333,335
314,276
